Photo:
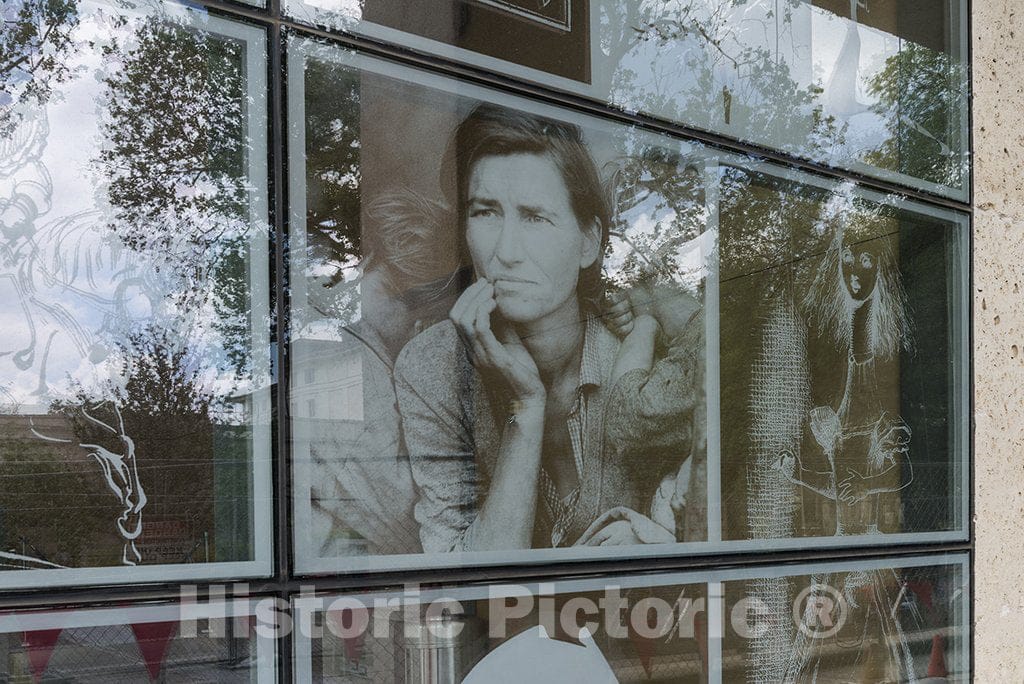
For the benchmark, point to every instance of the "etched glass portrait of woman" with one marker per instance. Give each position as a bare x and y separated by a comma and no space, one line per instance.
856,442
855,448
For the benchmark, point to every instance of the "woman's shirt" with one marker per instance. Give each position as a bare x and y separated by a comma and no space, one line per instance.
452,422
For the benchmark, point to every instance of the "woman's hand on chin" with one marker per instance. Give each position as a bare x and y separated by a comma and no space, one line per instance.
507,357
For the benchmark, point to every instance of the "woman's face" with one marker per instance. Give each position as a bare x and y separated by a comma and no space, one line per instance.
523,235
858,268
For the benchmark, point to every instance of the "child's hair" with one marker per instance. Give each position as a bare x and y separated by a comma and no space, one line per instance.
410,243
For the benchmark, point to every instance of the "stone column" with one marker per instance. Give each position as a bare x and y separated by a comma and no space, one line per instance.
998,36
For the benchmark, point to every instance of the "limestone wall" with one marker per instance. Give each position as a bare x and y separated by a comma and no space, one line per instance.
998,35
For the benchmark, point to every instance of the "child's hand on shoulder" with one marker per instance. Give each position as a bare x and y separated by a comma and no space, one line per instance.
632,310
618,313
673,307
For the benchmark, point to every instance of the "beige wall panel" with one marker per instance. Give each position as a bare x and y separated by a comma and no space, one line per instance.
998,35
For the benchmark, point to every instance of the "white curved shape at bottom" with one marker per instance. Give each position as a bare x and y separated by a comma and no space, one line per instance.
534,657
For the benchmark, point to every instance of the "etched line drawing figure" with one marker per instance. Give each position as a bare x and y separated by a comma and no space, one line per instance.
857,303
54,269
25,193
122,476
57,256
875,640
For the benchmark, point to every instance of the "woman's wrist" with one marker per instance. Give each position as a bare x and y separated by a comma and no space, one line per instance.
532,407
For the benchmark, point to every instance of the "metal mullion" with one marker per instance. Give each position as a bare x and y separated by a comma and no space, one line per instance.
119,594
235,9
282,424
971,531
597,568
469,576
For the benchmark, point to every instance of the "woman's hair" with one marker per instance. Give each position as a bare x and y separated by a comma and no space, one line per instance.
409,243
830,305
492,131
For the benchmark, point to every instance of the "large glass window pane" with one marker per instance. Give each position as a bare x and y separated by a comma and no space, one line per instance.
882,620
875,86
134,367
210,642
407,439
843,361
870,621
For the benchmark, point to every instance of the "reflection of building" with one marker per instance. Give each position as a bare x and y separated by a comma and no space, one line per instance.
326,384
327,379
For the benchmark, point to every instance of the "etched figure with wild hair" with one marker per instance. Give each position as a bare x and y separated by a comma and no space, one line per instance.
856,307
855,447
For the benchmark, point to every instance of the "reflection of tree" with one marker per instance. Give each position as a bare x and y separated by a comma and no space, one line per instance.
685,51
173,249
175,145
332,154
160,375
698,44
920,97
333,179
659,211
725,66
35,44
35,41
174,164
763,226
